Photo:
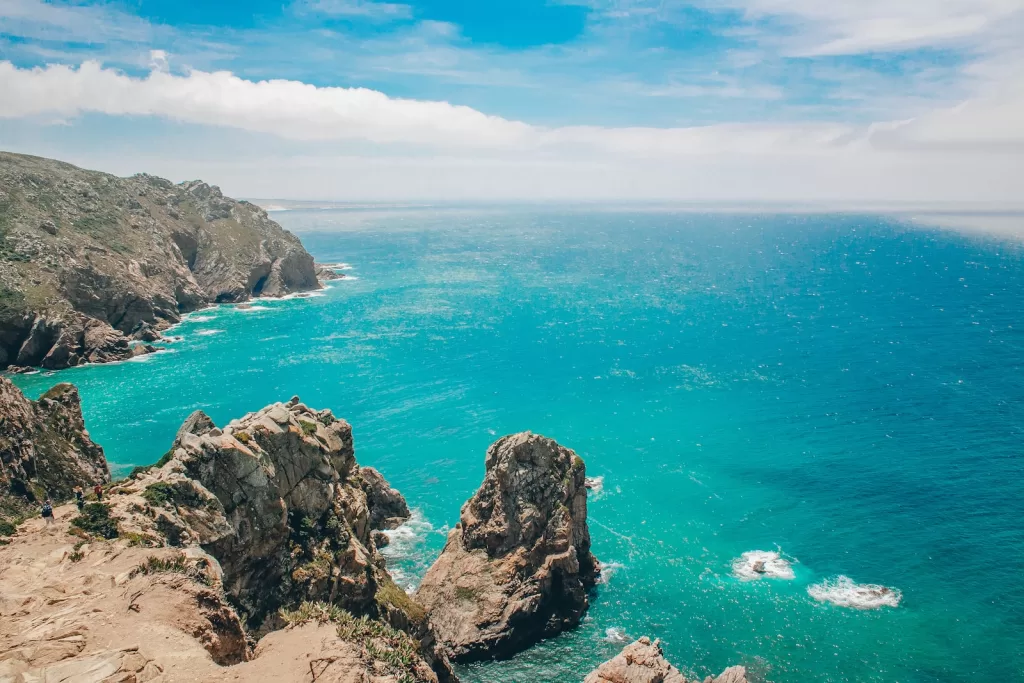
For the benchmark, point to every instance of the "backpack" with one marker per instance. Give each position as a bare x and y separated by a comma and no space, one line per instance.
47,511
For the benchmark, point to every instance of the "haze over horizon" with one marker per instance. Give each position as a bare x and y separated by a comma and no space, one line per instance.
354,100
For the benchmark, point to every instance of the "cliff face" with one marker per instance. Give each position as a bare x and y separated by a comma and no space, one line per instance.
278,499
88,259
261,529
517,567
45,450
643,662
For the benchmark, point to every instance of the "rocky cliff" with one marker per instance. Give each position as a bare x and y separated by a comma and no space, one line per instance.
518,565
262,529
278,500
89,260
45,450
644,662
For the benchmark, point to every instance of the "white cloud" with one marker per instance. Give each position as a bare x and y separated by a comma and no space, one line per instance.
415,148
845,28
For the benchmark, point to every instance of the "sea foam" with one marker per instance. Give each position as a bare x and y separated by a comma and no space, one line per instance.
405,553
844,592
771,563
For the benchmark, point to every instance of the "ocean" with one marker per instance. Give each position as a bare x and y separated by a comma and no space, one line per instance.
842,393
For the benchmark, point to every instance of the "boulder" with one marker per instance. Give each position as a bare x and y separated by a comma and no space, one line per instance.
644,662
517,567
388,508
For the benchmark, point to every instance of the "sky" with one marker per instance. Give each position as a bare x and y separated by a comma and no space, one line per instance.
692,100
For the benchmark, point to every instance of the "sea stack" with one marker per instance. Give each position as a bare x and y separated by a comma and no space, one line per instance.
644,662
516,568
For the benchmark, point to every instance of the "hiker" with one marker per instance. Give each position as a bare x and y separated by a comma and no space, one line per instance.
48,512
98,490
79,498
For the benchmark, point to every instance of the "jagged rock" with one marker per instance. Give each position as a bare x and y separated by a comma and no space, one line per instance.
45,449
326,273
517,567
644,662
278,499
145,332
388,508
87,258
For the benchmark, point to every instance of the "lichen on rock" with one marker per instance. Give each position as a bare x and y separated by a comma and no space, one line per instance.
517,567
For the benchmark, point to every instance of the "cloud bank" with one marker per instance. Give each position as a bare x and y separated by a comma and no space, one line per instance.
357,142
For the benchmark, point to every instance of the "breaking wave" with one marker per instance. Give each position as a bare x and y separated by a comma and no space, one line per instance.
844,592
614,634
762,564
406,552
595,485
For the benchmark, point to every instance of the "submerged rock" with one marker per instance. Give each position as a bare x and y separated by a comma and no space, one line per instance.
517,567
644,662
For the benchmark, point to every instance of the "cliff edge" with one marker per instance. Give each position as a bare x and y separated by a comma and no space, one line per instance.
90,262
517,567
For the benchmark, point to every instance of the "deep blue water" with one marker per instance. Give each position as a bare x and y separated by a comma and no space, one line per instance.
843,389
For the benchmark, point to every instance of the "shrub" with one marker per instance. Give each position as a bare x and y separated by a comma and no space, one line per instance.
96,520
178,564
308,428
181,493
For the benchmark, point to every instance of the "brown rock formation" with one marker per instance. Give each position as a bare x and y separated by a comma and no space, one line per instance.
269,514
517,567
278,499
45,450
87,258
643,662
388,508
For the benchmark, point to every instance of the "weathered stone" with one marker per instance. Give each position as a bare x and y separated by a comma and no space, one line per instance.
644,662
45,449
388,508
517,567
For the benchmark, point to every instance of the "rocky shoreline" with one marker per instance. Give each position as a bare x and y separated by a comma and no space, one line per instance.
93,267
251,552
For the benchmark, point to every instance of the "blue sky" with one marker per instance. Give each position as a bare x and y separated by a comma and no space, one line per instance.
612,88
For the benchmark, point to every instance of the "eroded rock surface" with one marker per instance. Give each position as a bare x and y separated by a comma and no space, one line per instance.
88,259
278,499
644,662
45,450
517,567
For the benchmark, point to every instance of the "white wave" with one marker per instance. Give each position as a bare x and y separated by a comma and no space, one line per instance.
275,207
608,570
198,318
844,592
595,485
405,551
338,266
614,634
250,308
207,333
762,564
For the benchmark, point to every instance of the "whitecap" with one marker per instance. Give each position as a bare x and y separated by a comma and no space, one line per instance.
595,485
762,564
614,634
844,592
207,333
199,318
608,570
405,552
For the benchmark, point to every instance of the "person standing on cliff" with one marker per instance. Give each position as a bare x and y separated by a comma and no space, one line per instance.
79,498
98,490
48,512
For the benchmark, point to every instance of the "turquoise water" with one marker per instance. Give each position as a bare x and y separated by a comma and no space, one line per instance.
843,389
